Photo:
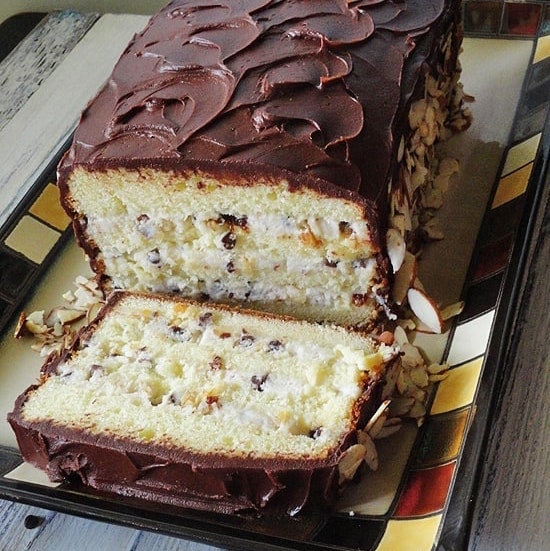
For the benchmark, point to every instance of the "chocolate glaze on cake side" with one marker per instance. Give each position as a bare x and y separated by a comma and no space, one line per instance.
182,479
305,87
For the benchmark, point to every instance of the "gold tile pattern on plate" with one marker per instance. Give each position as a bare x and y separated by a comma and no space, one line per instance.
442,438
542,50
521,154
511,186
48,208
459,388
410,535
32,239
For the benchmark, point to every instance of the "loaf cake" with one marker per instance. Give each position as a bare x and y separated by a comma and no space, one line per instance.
203,405
261,153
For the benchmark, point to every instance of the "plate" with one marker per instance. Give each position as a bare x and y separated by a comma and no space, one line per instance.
423,493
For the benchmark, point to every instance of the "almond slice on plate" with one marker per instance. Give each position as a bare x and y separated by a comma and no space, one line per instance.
404,278
452,310
371,454
376,422
400,336
350,462
396,248
392,425
425,309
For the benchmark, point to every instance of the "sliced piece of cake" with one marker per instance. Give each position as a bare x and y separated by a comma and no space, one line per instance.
257,152
203,406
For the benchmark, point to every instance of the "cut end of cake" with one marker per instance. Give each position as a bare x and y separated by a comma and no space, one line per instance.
313,253
206,387
261,165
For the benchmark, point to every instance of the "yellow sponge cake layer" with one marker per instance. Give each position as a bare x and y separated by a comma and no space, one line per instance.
292,251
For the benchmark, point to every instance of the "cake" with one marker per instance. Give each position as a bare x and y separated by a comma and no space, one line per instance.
271,154
203,405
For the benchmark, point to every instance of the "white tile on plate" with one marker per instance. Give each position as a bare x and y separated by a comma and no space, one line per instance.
521,154
28,473
470,339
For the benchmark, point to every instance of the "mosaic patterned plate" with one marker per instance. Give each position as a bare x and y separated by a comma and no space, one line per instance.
422,495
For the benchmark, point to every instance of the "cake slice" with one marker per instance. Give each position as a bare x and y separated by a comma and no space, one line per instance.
259,152
203,406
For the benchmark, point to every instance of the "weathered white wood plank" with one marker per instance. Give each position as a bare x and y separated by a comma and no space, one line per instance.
146,541
23,527
513,507
13,535
9,8
37,56
46,120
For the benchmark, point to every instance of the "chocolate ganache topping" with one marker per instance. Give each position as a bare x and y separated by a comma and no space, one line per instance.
305,86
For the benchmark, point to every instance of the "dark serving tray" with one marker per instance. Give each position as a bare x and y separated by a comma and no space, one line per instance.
424,494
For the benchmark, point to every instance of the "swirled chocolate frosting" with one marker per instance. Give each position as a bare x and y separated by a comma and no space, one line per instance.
313,87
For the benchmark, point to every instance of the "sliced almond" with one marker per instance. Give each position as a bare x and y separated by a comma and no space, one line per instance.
401,149
404,383
425,309
404,278
35,323
81,280
411,356
439,377
400,406
419,377
376,422
407,324
433,230
371,455
418,412
350,462
396,248
398,222
57,329
68,315
68,296
400,335
432,199
20,329
93,310
436,369
437,372
391,426
391,379
452,310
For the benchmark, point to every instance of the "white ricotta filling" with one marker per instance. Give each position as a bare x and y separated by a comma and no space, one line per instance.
257,258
